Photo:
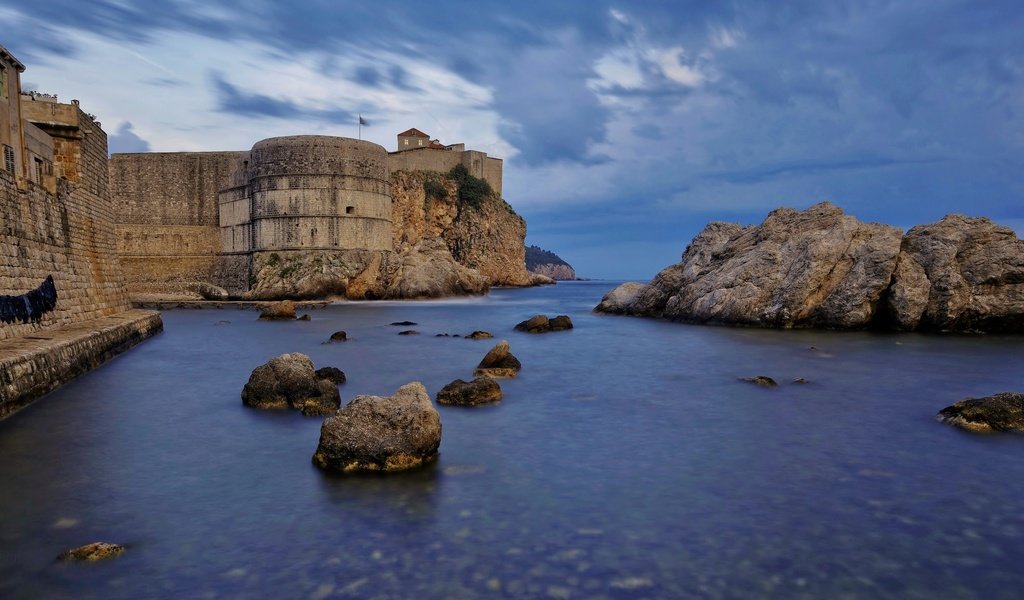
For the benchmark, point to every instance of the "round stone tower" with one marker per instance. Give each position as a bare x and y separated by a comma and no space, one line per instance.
316,192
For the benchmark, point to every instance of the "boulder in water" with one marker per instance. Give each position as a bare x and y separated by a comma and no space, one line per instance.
278,311
92,552
499,362
289,381
1001,412
375,433
482,390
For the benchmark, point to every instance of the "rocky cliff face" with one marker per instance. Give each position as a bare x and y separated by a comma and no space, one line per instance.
549,264
443,246
822,268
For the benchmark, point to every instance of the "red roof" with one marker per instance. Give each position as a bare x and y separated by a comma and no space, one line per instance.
413,133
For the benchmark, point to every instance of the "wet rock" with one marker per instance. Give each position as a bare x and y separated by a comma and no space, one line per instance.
208,291
560,323
535,324
480,335
1001,412
93,552
403,323
409,332
620,300
278,311
374,433
289,381
332,374
761,380
305,317
499,362
482,390
799,380
339,336
442,335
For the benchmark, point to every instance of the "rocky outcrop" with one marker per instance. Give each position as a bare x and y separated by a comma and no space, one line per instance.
549,264
289,381
959,274
1001,412
822,268
482,390
332,374
278,311
92,552
374,433
443,246
499,362
542,324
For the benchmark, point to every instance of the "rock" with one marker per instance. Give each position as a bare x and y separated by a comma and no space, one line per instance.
332,374
482,390
305,317
409,332
208,291
442,335
960,274
535,324
339,336
620,300
92,552
760,380
403,323
374,433
278,311
479,335
799,380
499,362
428,270
289,381
541,324
538,279
1001,412
560,323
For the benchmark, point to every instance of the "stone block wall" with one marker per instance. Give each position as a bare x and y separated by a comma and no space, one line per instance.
168,232
432,159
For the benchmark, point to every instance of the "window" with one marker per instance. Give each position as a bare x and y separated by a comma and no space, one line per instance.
39,170
3,81
349,210
419,142
406,142
9,159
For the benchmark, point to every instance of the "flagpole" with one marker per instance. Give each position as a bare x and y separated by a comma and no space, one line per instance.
359,119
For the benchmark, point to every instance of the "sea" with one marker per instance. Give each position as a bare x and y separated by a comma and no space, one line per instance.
627,460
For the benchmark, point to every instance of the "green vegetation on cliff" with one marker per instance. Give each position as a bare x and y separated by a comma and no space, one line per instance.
536,255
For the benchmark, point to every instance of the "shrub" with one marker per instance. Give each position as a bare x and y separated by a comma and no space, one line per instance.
472,190
434,189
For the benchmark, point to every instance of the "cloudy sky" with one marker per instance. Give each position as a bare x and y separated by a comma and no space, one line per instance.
625,126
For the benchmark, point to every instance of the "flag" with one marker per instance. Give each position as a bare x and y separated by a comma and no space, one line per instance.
363,121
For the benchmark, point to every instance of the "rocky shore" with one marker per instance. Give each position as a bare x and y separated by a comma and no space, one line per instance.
822,268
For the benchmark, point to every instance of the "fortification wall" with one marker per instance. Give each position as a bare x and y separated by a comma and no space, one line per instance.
68,235
168,232
431,159
309,193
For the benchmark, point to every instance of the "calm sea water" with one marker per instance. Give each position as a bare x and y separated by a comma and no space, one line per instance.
626,461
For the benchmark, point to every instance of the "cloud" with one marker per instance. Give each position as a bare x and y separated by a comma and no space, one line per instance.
231,99
125,140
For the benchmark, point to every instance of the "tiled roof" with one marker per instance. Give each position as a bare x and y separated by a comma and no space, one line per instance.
413,133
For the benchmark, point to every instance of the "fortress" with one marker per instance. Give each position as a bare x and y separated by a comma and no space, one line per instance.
187,222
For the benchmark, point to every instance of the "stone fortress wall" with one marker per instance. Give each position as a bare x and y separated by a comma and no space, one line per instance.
68,234
188,218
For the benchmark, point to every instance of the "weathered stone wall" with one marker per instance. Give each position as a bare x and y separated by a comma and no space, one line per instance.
432,159
69,235
168,231
309,193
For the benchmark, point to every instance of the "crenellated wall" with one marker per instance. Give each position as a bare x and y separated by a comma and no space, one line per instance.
434,159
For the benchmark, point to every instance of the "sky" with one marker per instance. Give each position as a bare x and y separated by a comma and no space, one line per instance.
624,127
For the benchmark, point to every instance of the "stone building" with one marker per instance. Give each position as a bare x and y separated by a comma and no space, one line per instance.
64,306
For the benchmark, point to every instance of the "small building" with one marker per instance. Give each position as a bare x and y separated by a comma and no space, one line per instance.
412,138
12,137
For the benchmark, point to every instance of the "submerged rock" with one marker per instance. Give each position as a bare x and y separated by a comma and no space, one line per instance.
333,374
499,362
92,552
480,335
289,381
1001,412
761,380
278,311
542,324
339,336
409,332
403,324
482,390
374,433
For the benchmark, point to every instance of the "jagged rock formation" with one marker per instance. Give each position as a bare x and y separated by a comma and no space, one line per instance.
499,362
443,246
822,268
549,264
375,433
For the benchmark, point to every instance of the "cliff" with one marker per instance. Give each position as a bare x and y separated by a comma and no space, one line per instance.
822,268
549,264
451,235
